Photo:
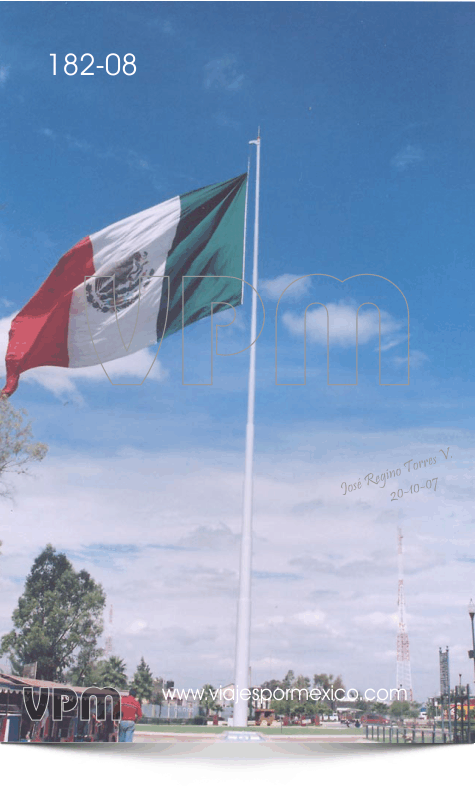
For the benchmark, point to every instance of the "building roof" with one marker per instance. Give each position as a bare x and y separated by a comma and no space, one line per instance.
14,683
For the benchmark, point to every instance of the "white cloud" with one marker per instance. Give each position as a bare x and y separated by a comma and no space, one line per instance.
223,119
136,626
135,161
4,74
274,288
74,143
342,323
395,341
407,157
217,538
48,133
160,530
308,620
165,26
311,617
417,358
223,73
384,620
64,381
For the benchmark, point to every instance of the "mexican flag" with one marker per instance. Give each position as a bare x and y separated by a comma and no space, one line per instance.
135,282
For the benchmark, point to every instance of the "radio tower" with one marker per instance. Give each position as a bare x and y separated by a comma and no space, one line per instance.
108,649
404,680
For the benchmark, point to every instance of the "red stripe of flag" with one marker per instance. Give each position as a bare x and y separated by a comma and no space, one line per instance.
39,333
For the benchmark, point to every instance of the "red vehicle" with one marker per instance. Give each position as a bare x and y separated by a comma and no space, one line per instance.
374,718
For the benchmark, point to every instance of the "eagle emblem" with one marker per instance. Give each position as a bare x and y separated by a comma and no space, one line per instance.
123,286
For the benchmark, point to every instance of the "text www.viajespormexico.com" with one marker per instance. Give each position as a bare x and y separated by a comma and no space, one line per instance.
279,694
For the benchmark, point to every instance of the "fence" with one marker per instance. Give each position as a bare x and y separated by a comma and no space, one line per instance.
171,711
392,734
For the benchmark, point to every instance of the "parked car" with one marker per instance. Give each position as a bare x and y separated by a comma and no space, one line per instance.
374,718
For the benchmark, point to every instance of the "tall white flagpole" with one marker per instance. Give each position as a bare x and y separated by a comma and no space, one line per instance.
243,634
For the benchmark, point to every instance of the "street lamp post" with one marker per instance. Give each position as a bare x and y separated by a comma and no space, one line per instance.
471,653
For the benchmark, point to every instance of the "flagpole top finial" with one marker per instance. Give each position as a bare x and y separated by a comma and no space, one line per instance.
257,141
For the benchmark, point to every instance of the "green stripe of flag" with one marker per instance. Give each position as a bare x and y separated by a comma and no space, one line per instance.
208,241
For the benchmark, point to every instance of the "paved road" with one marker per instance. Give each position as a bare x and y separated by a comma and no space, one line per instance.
208,739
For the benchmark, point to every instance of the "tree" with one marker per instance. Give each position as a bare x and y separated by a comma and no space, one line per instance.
302,682
158,697
327,682
400,710
17,451
111,672
81,677
58,617
295,702
289,679
380,707
292,704
272,685
143,681
207,701
361,704
86,671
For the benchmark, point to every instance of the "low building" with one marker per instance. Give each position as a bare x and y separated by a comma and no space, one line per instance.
17,726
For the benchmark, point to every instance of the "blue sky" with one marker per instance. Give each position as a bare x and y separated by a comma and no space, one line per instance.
366,113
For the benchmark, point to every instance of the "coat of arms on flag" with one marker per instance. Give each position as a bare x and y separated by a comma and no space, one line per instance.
123,286
151,273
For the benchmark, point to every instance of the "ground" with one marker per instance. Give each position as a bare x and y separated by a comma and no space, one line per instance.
164,733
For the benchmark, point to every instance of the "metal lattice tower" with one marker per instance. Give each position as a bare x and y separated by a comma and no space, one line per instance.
403,674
